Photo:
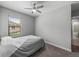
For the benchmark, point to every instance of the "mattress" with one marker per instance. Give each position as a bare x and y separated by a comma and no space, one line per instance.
29,47
21,46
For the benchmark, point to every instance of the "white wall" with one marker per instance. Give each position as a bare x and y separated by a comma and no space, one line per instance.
75,26
26,21
0,22
54,24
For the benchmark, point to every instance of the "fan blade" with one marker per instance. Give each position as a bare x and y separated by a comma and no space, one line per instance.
40,6
38,11
34,5
28,8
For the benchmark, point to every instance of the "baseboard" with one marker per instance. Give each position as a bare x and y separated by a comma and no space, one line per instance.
69,50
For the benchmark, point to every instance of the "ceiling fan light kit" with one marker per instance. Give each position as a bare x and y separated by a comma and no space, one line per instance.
35,8
34,11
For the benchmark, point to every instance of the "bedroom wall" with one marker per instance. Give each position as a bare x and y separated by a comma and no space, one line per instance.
0,23
27,22
54,24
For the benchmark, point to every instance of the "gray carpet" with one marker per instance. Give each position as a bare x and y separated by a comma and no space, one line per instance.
51,51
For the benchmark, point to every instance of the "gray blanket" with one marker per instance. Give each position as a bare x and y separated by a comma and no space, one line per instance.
29,47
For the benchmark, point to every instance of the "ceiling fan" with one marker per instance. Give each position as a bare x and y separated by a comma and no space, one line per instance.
35,7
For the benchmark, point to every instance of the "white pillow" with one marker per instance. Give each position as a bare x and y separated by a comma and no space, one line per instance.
6,40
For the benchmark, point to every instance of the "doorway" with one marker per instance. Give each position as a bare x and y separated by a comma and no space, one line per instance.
75,26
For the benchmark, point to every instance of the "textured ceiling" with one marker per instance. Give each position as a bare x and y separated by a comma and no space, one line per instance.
19,6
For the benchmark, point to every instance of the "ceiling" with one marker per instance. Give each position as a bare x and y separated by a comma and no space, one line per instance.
19,6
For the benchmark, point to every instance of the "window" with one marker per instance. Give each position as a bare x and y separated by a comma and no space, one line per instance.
14,26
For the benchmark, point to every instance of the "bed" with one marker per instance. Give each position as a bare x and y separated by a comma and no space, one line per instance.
21,46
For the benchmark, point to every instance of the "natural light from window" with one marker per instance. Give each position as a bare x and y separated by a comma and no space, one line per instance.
14,27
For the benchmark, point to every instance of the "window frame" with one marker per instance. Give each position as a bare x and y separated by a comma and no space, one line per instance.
9,28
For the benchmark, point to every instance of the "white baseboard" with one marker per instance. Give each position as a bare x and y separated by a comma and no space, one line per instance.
69,50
